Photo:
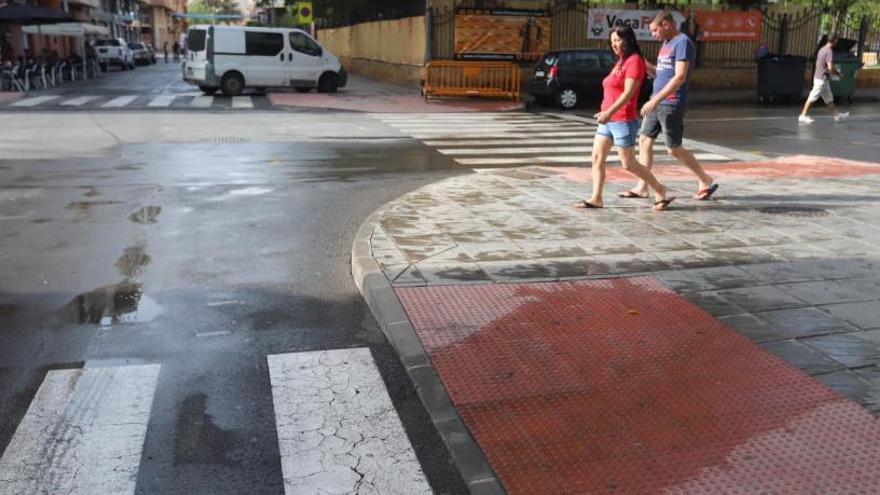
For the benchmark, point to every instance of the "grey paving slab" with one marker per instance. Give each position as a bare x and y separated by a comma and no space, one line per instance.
865,315
762,298
804,322
826,292
722,277
866,287
848,384
451,273
714,304
871,376
802,357
753,327
854,350
552,249
682,281
512,271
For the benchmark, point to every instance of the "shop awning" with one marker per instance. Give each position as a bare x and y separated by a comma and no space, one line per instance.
76,29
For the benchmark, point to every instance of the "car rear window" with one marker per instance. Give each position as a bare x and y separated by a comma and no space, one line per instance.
107,43
135,46
195,40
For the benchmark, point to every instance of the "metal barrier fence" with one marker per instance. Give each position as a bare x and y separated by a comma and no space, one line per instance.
461,78
789,30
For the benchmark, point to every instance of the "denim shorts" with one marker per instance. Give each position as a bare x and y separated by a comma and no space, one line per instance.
624,133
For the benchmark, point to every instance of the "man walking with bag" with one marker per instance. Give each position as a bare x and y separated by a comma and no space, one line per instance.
666,108
825,71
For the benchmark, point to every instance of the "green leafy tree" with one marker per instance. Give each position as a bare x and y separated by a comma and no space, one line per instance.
216,7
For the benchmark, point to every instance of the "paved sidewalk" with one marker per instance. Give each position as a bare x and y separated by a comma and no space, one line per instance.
720,345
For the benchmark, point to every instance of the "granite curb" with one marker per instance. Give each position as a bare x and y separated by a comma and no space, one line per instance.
377,291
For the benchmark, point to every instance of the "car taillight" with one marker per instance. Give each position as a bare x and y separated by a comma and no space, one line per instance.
551,74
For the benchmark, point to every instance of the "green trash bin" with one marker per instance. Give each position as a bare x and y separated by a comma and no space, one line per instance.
845,85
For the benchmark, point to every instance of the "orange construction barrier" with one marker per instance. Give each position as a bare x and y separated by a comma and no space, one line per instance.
461,78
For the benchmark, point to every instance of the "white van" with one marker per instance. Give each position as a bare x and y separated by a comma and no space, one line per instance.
231,58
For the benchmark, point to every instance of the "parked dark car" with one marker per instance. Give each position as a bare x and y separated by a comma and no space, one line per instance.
567,78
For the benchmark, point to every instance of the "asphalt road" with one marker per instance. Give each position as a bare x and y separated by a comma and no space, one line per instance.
204,257
205,242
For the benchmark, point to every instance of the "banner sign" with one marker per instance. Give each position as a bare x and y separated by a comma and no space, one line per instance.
728,26
501,34
601,21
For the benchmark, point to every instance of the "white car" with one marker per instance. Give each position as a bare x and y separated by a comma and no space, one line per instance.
114,51
232,58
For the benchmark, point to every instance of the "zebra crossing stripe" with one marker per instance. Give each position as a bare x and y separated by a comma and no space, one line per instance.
503,142
119,101
34,101
514,151
337,428
434,129
83,432
242,102
78,101
162,101
501,135
202,101
584,158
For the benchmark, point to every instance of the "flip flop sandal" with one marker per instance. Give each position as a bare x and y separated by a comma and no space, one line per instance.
704,194
630,195
585,204
663,204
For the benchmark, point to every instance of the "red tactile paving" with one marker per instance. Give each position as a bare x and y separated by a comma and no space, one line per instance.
622,386
793,167
9,96
390,104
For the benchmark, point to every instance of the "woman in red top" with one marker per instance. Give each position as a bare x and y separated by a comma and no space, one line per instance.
618,119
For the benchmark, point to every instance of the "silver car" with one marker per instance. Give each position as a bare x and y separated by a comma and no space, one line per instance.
141,54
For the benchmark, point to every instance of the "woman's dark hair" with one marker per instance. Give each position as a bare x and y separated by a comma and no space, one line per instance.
630,44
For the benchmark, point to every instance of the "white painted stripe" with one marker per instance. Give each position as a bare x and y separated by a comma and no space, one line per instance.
454,116
515,151
242,102
78,101
435,128
120,101
34,101
332,415
498,134
429,120
612,158
83,433
502,142
202,101
162,101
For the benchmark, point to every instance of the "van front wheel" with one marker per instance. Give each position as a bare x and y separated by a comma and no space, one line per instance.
328,83
232,84
208,90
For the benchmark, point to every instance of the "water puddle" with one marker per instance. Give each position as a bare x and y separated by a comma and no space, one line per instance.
146,215
198,439
114,304
87,206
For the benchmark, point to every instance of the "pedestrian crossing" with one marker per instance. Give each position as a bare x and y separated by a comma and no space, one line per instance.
507,139
337,429
139,102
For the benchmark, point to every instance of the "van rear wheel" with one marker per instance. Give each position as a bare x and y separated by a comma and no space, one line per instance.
328,83
232,84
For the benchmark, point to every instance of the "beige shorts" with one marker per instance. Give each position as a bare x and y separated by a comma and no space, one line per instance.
821,87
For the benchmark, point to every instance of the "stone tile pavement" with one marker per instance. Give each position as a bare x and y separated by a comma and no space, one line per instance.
786,254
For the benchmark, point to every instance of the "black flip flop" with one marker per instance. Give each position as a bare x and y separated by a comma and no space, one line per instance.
663,204
585,204
628,194
705,194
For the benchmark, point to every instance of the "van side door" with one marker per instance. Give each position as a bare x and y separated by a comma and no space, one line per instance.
266,63
306,62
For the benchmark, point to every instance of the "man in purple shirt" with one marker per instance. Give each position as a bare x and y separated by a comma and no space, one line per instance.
666,108
825,70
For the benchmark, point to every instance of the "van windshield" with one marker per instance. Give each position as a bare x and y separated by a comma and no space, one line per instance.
196,40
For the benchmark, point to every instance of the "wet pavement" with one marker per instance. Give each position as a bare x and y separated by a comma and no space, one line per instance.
202,258
784,256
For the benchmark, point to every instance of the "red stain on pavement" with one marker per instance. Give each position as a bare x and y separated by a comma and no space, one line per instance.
622,386
389,104
794,167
